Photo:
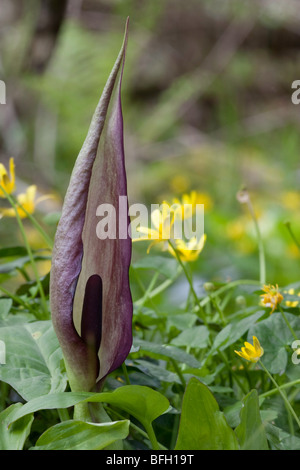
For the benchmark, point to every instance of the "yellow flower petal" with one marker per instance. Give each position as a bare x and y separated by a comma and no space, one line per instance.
7,182
251,352
272,296
26,204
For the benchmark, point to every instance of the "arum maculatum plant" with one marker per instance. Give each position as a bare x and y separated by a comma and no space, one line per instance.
90,296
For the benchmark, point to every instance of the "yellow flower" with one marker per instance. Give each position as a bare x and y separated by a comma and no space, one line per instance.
291,200
291,303
188,251
188,204
164,229
162,220
7,182
25,200
272,297
251,352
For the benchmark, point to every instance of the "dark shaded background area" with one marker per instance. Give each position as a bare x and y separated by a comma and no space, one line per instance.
207,106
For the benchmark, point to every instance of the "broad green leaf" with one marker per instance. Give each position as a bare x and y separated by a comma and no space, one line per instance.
142,402
234,331
202,425
251,432
80,435
13,437
158,371
5,306
166,351
147,317
162,264
20,263
182,321
275,338
34,364
280,439
196,337
51,401
13,251
31,288
18,316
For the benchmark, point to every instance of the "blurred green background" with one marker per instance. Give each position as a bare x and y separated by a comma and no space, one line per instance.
207,106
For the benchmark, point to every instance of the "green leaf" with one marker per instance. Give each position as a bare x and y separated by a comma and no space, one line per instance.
251,432
234,331
202,425
147,317
196,337
276,338
280,439
162,264
165,351
34,364
20,263
182,321
80,435
31,288
13,251
14,436
158,371
5,306
142,402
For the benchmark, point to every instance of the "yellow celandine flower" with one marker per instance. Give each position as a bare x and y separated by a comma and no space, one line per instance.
162,220
164,229
7,182
26,203
188,251
291,303
272,297
251,352
188,204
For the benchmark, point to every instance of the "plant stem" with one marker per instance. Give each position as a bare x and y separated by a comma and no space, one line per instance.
29,251
244,198
63,414
125,372
202,312
82,412
149,288
135,427
262,262
283,395
15,298
152,436
220,311
39,228
4,392
230,285
179,373
288,226
159,289
287,323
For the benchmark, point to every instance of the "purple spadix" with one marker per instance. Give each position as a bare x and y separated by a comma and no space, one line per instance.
90,298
